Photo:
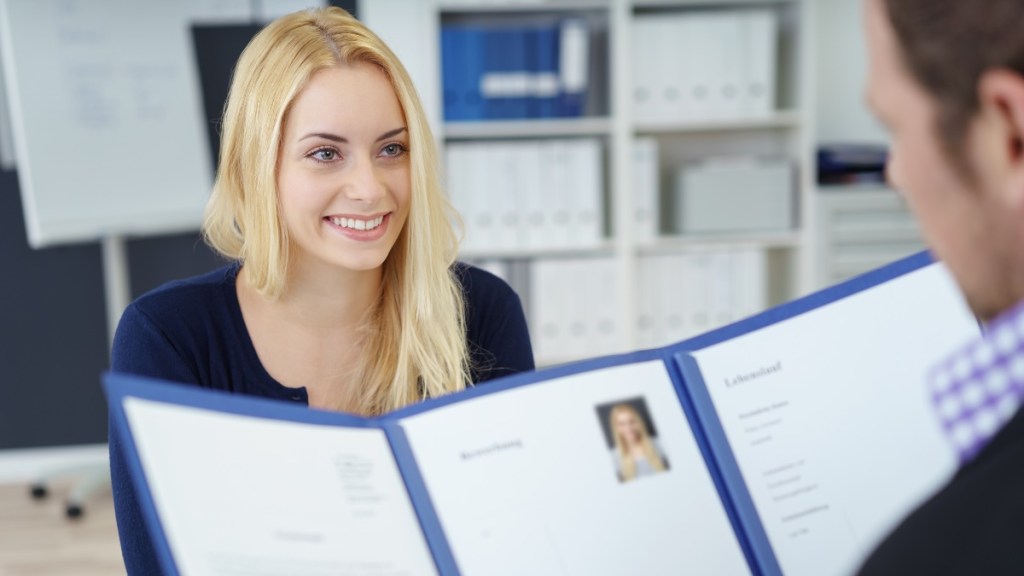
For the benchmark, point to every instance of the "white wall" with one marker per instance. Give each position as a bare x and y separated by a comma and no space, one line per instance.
840,68
409,27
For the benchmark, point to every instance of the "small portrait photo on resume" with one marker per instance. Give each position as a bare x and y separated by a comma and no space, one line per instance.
632,439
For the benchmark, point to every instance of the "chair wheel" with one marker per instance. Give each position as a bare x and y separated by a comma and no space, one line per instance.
39,491
74,511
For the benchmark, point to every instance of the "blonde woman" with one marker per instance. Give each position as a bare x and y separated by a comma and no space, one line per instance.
342,292
636,453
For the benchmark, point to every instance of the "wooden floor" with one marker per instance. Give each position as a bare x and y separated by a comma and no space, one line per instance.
37,539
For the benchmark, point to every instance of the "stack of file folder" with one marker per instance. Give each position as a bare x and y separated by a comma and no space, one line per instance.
500,71
528,194
704,65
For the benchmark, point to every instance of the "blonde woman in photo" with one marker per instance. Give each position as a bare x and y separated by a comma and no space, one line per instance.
636,452
342,291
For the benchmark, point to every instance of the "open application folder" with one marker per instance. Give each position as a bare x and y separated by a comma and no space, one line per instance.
790,442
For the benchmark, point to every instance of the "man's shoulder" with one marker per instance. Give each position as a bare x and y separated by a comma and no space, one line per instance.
973,525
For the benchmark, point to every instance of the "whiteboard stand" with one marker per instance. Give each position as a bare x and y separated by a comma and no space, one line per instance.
117,291
116,283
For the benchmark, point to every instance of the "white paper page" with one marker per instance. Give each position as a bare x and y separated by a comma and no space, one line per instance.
524,482
830,419
240,495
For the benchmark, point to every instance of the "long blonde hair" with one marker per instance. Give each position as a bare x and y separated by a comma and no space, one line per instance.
414,344
627,463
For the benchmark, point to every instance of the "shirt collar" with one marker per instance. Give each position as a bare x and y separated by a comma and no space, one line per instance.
978,388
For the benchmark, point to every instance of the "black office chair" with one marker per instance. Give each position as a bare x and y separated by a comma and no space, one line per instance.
91,479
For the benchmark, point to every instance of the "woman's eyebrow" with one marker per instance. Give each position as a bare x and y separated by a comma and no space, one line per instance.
337,138
391,133
325,136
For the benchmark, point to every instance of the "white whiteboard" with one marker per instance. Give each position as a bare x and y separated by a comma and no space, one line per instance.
107,117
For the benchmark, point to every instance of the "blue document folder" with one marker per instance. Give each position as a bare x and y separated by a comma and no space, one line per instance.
505,62
462,65
508,72
542,58
773,445
452,48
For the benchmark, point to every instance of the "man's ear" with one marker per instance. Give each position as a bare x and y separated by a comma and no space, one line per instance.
1001,102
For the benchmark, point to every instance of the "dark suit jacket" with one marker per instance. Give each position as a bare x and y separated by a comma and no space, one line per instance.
974,525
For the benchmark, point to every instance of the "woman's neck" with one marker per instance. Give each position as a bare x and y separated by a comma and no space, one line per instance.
326,299
311,335
636,447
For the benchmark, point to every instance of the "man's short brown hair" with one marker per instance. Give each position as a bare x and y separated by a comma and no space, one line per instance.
948,44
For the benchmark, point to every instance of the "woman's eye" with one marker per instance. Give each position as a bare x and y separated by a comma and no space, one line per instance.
324,155
393,150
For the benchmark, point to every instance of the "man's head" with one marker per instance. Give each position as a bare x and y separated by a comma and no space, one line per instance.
947,79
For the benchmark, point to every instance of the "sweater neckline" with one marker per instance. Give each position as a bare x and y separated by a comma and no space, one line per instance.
267,384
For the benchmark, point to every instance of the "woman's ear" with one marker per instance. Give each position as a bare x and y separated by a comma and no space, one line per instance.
1001,103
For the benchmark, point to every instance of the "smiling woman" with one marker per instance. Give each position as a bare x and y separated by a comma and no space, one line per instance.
637,452
343,175
343,291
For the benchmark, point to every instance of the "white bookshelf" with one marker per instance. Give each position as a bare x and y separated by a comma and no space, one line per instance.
766,241
472,7
497,129
782,119
859,228
605,248
704,3
786,132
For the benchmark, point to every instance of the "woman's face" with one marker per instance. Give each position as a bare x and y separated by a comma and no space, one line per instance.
343,169
628,427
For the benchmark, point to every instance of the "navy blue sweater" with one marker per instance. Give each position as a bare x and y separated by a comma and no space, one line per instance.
191,331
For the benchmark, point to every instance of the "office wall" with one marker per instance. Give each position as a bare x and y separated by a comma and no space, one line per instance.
53,336
840,69
53,332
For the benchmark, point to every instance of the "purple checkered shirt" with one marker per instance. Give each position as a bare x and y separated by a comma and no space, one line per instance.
978,389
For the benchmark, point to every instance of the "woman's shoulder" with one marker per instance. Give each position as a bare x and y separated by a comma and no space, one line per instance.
479,284
496,330
178,329
184,294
